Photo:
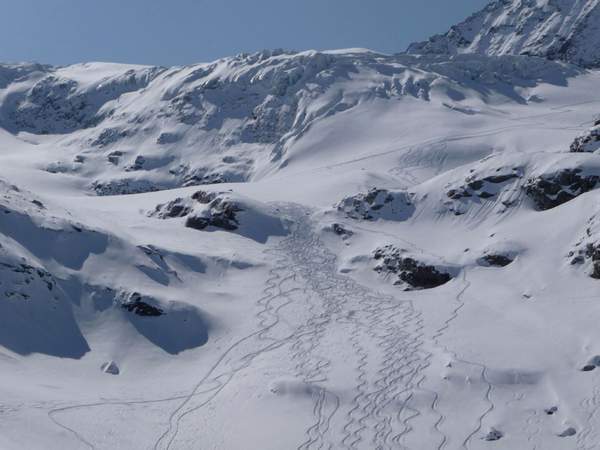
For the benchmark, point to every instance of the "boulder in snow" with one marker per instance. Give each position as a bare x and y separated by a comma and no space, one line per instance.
110,367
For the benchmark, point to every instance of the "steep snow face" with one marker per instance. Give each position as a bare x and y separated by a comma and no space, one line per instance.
133,129
566,30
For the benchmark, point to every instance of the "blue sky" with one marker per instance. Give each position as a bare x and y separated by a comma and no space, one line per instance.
174,32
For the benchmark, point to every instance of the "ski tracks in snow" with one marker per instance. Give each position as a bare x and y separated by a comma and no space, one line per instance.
360,354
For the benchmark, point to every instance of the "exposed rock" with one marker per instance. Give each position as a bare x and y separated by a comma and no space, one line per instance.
220,214
138,164
340,230
497,260
110,367
587,249
589,142
551,190
493,435
168,138
378,204
123,187
218,211
134,303
568,432
201,178
23,276
558,30
409,271
114,157
175,208
593,253
483,187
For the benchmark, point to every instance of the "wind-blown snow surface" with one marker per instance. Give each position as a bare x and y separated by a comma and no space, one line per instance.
256,313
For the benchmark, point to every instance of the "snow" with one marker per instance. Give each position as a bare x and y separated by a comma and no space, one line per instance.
264,327
566,30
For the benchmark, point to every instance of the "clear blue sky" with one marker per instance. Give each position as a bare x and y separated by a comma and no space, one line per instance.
174,32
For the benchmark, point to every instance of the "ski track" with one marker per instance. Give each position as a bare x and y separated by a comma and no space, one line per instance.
305,300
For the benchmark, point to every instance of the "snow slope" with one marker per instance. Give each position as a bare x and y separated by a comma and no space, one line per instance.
566,30
300,250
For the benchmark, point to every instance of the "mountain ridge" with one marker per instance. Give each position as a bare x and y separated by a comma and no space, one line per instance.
565,30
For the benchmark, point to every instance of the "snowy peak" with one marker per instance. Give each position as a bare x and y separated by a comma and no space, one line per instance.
565,30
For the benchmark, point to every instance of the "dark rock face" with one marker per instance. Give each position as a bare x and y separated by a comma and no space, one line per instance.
408,270
557,30
175,208
123,187
587,249
496,260
136,305
114,157
340,230
221,213
568,432
218,211
24,276
56,104
110,367
378,203
593,253
493,435
553,190
138,164
480,187
589,142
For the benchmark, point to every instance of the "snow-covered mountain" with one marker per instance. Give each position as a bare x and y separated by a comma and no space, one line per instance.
303,250
128,129
565,30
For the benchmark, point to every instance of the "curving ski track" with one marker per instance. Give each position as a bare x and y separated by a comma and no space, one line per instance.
306,305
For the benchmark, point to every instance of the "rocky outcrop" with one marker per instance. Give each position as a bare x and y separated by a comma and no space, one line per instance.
175,208
141,306
408,271
124,186
493,435
586,251
110,367
483,187
550,190
378,204
565,30
218,211
588,142
342,231
495,260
